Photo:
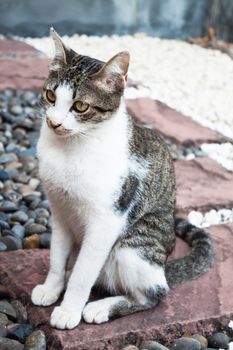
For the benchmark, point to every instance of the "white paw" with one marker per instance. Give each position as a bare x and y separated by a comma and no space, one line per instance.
96,312
63,318
42,295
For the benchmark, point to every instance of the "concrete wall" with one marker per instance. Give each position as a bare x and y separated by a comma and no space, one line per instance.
164,18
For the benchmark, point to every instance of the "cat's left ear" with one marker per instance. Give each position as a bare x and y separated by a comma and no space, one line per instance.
61,51
113,74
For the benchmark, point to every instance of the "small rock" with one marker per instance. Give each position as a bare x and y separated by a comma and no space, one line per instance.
4,175
10,344
41,220
195,218
42,212
19,332
212,217
11,242
202,340
31,242
16,109
19,216
18,231
33,183
21,311
7,309
153,345
3,331
4,225
130,347
35,228
36,341
219,340
45,240
3,247
186,344
3,319
4,293
7,206
8,158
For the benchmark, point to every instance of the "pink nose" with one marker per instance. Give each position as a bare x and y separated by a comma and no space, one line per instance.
52,124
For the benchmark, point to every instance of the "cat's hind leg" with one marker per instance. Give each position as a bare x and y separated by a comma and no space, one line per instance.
139,285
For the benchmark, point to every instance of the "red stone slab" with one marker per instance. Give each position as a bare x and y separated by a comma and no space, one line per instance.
203,306
203,184
17,48
23,73
172,124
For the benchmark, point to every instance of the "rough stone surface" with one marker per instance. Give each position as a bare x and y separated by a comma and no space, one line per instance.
21,66
17,48
183,311
197,183
23,73
172,124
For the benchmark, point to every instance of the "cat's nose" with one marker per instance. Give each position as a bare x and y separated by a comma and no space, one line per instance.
52,124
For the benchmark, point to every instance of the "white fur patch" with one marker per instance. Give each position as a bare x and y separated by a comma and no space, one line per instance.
126,270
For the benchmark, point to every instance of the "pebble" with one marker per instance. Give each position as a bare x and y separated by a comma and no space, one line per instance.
42,212
19,332
4,225
7,309
11,242
36,341
186,344
8,158
3,319
16,110
7,206
202,340
19,216
10,344
31,242
219,340
18,231
153,345
4,293
33,183
3,331
195,218
4,175
45,240
3,247
35,228
21,312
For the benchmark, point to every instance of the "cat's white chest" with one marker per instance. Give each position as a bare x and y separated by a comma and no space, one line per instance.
88,173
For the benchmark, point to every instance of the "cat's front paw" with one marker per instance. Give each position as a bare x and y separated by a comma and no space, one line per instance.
96,312
64,318
42,295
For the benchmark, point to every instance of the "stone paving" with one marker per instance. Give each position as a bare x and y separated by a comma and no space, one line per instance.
199,306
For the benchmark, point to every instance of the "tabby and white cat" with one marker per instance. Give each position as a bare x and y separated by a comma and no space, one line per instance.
111,188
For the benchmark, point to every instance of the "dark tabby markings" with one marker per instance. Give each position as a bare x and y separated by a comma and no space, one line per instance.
128,193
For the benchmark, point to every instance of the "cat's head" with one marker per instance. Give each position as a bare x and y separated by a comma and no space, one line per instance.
81,92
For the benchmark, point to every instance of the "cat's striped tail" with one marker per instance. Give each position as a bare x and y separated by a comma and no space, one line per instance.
197,262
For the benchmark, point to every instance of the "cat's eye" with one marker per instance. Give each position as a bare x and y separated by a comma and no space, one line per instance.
51,97
80,107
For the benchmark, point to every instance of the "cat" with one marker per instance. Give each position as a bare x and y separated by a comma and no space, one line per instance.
111,186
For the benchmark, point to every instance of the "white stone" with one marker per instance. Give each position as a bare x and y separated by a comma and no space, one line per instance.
212,217
230,346
225,215
195,218
222,153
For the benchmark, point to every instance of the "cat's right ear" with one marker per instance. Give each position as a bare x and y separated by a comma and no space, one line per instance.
61,51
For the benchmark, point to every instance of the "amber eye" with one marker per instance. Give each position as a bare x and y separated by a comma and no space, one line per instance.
50,96
80,107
